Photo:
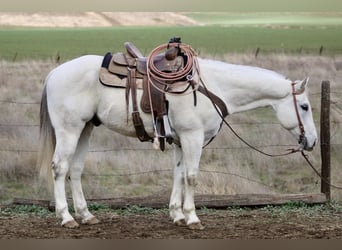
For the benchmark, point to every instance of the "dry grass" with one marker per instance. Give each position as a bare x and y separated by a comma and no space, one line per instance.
131,168
93,19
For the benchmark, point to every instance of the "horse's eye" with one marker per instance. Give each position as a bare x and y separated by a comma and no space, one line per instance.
305,107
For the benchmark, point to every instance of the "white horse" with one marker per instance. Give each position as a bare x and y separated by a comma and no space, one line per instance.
73,96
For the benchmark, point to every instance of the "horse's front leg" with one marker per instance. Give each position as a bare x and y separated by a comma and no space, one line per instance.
175,206
191,150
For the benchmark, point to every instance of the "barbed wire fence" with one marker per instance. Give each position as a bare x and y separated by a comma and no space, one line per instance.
335,105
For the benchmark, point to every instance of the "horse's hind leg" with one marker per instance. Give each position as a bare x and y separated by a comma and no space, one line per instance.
76,169
66,144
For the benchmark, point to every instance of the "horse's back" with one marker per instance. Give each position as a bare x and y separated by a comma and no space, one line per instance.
74,69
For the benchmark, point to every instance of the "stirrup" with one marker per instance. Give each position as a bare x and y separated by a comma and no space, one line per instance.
167,127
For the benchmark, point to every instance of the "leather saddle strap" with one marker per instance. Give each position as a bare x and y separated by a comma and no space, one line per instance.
215,99
133,87
128,89
137,121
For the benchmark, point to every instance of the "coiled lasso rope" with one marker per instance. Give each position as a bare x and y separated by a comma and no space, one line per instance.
169,79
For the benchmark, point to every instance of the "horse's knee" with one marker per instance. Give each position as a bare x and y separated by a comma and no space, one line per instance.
192,180
54,169
58,170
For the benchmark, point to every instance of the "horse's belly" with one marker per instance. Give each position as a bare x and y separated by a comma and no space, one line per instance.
114,114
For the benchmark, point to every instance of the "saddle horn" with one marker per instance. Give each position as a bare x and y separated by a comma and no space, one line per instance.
173,52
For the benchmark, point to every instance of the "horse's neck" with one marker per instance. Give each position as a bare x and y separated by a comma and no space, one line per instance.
244,87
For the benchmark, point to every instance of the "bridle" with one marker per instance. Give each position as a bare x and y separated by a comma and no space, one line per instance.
302,139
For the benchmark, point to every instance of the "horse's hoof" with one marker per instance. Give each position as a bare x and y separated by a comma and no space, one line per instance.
180,223
71,224
196,226
91,221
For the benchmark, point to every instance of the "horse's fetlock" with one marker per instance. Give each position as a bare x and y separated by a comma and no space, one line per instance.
61,211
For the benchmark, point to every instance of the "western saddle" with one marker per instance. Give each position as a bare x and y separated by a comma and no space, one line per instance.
130,70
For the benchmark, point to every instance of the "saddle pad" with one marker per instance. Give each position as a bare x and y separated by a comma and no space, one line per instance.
110,79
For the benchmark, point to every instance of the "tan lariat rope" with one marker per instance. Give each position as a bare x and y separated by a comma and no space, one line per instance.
170,80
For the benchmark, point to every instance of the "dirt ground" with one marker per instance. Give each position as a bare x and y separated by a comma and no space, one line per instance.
260,223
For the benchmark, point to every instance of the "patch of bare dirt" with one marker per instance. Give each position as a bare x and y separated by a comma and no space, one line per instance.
219,224
93,19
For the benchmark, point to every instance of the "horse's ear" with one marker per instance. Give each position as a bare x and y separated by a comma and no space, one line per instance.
304,83
301,85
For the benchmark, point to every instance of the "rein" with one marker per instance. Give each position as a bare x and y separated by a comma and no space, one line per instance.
306,157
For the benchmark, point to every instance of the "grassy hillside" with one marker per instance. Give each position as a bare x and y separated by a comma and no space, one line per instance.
18,44
268,18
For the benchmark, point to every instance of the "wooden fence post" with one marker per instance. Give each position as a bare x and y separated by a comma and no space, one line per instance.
325,139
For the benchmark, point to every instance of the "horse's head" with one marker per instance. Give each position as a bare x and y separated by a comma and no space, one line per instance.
294,113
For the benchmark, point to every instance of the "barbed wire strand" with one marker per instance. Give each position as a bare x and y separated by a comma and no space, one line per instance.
235,124
38,103
170,170
151,149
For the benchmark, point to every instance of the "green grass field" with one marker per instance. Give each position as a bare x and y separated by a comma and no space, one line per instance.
221,33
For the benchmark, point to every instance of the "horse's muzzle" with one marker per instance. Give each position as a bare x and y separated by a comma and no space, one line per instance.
305,145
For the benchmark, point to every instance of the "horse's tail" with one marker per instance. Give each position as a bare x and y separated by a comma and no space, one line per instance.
47,141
